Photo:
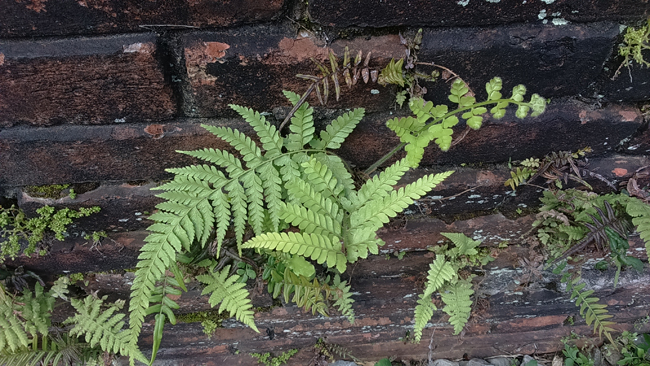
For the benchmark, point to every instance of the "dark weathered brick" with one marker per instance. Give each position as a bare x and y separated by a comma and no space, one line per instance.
369,13
251,67
630,85
83,81
72,154
551,61
27,18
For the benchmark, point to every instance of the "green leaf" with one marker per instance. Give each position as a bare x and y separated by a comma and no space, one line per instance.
336,132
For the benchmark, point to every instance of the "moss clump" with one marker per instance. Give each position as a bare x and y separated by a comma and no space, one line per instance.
49,191
202,316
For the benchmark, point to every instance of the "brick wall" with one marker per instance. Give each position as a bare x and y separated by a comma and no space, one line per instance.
105,91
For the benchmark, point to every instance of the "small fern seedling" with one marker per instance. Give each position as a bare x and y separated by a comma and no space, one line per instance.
443,277
595,314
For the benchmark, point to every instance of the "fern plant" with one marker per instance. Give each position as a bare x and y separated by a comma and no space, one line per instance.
443,277
292,180
27,336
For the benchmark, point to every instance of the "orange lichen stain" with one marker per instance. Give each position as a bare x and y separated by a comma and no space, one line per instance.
620,172
147,48
199,56
156,131
583,117
486,178
299,49
279,311
628,116
2,58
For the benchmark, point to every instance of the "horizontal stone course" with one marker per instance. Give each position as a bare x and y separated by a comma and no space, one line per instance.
450,13
83,81
75,154
29,18
252,65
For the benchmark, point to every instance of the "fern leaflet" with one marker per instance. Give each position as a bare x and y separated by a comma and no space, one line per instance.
640,212
232,295
458,303
440,272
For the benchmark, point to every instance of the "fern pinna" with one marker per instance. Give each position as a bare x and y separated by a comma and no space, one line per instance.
455,292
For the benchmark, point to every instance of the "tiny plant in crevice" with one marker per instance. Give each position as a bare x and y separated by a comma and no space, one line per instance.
16,228
267,359
92,336
293,206
635,41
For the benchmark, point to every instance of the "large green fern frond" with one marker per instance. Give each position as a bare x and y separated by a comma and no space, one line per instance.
381,184
423,313
250,152
305,194
310,221
463,245
336,132
269,136
320,248
458,303
232,295
302,124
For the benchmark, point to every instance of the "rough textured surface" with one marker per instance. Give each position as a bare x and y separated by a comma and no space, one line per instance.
368,13
83,81
251,66
66,154
28,18
551,61
74,154
511,318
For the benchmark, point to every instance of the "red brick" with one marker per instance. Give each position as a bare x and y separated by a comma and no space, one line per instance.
369,13
83,81
252,66
28,18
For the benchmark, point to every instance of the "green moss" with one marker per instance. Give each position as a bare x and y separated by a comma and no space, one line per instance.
202,316
49,191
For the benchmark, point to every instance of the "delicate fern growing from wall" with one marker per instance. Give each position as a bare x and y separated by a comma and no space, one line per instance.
435,122
443,277
292,180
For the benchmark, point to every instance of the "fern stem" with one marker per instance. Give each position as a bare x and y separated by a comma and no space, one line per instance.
399,147
295,107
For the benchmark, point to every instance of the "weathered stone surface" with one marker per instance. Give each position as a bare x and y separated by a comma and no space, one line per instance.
548,60
70,154
502,361
251,66
566,125
28,18
368,13
639,144
83,81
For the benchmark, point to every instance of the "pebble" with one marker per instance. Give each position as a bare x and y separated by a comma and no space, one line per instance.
502,361
443,362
